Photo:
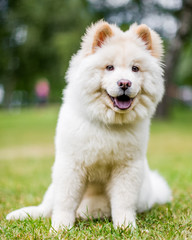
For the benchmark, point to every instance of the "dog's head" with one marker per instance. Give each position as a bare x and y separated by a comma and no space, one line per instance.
117,76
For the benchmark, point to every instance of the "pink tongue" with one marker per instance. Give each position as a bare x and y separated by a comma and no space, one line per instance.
122,104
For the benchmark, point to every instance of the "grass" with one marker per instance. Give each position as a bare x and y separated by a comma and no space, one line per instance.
26,157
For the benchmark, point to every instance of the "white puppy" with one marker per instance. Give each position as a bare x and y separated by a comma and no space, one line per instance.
114,85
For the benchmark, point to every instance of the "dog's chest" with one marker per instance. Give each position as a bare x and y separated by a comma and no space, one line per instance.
103,154
94,146
107,147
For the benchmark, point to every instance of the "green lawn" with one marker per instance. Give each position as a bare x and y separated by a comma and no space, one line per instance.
26,157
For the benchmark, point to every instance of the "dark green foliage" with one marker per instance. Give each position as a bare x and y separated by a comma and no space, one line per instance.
38,38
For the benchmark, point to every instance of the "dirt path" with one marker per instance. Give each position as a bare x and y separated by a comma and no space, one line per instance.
28,151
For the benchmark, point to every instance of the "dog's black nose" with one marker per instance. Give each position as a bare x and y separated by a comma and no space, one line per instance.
124,84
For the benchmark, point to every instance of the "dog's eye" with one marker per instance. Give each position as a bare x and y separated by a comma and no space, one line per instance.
110,68
135,69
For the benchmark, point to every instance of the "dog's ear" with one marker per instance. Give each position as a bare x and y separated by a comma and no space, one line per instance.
102,33
96,35
144,33
151,39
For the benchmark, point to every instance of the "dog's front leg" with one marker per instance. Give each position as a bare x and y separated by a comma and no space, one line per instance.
124,187
69,184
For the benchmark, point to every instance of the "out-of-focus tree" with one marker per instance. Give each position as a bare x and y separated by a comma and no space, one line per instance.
37,38
181,43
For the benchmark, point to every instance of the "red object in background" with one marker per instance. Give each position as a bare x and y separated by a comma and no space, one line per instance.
42,90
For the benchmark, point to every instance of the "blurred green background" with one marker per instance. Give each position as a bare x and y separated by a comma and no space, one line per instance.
38,38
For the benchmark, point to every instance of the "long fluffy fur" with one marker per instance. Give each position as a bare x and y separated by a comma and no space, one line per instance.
100,166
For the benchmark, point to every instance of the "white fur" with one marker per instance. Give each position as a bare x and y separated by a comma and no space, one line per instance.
100,167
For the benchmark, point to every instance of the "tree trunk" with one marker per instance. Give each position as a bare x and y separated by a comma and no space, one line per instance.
173,55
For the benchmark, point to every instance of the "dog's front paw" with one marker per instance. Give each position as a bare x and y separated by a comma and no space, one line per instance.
17,214
62,221
22,213
124,220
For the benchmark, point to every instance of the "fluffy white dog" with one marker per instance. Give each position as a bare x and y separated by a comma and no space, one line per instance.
115,82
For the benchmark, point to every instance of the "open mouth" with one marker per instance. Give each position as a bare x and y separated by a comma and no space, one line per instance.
122,102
